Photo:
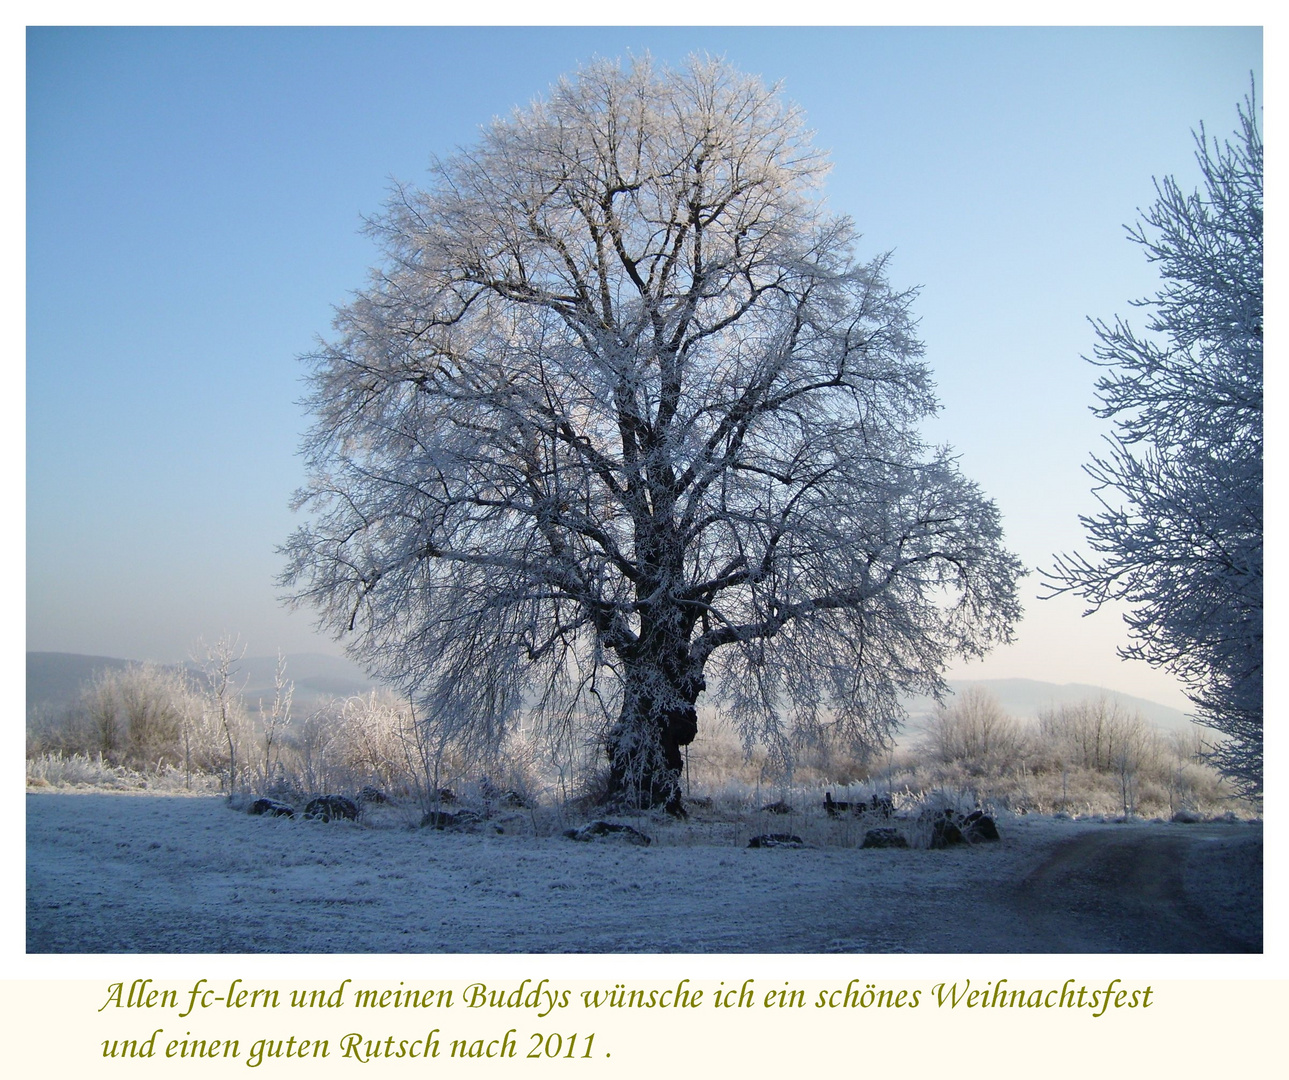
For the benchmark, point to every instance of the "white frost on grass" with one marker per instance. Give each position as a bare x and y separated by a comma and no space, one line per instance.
152,873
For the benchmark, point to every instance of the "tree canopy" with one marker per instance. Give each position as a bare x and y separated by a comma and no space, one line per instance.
1179,538
620,417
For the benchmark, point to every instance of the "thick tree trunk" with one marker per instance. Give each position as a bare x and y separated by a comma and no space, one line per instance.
658,718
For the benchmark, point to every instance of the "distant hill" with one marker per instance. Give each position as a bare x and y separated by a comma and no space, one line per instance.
55,680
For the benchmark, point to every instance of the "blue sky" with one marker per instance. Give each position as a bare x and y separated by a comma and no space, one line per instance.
194,201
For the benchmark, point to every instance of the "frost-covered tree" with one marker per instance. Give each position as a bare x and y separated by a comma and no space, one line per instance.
223,709
620,413
1179,536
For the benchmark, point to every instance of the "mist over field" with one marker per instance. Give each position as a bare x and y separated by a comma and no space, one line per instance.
55,680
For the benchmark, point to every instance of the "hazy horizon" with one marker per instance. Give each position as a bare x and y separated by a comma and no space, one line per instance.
55,679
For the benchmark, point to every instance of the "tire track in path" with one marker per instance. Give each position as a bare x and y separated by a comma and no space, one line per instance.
1129,890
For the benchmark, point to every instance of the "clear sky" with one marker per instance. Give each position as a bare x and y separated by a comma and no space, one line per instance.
194,204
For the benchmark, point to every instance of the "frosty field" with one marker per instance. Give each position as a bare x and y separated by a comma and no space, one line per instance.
120,873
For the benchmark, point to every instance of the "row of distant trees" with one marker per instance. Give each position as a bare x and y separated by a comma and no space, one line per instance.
1084,757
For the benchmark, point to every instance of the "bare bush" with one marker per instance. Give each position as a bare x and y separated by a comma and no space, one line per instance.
1096,735
373,739
274,721
135,716
976,735
64,733
224,711
1091,757
370,744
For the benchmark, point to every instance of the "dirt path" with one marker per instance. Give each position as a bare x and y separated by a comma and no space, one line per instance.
1142,890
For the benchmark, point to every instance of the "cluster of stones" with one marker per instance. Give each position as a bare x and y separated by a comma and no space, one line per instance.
949,827
464,819
880,805
321,808
331,808
884,838
328,808
507,798
778,839
448,819
603,831
272,808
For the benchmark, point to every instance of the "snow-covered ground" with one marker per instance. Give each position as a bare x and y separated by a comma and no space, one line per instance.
149,873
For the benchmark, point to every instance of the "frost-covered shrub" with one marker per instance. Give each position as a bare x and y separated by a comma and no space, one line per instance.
348,743
976,736
378,740
138,716
1097,735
